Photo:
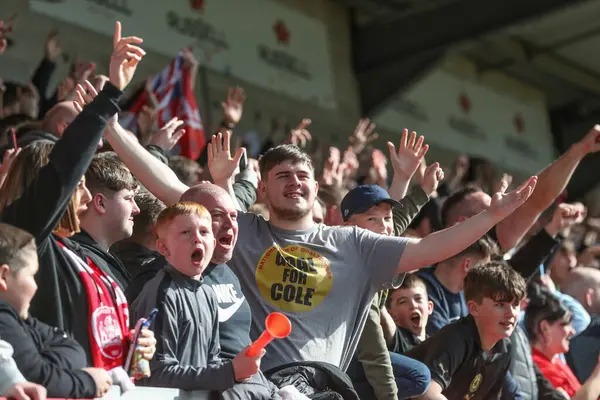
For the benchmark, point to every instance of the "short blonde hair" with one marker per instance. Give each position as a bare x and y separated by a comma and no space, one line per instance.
182,208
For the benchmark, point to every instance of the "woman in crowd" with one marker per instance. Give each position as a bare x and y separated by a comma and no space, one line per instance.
548,323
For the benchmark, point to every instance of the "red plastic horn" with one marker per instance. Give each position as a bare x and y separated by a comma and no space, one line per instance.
278,326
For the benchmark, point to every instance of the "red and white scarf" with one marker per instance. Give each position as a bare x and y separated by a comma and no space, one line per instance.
108,313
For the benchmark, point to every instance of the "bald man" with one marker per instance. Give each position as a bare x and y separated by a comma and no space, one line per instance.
52,128
59,117
584,285
234,310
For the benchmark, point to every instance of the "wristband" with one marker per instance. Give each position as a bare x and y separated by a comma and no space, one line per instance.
226,125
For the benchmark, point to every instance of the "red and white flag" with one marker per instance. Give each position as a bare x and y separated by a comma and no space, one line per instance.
173,90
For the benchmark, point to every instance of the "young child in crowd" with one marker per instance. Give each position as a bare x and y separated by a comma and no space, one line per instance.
470,358
378,372
410,309
187,323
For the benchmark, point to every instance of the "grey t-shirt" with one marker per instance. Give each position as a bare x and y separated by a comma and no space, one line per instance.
323,279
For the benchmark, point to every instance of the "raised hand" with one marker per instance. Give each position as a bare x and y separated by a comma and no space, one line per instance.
300,136
503,204
189,60
431,178
379,162
363,135
406,160
6,27
191,63
124,59
591,141
233,106
152,100
350,162
99,81
168,136
333,170
84,94
565,216
53,46
220,163
506,180
147,120
28,100
66,89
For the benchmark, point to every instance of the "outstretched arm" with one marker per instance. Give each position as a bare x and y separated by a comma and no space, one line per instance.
157,177
446,243
552,182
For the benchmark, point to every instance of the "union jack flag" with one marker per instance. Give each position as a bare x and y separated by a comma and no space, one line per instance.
175,96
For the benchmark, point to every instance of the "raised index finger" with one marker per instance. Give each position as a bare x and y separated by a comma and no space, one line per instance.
117,35
304,124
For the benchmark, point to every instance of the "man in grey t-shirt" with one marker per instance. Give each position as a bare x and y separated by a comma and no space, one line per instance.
324,278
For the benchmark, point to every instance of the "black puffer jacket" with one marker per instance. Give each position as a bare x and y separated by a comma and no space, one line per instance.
317,380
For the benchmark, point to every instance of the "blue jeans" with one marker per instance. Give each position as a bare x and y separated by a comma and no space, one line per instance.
412,377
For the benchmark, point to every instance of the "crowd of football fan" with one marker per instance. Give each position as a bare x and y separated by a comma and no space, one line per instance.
421,284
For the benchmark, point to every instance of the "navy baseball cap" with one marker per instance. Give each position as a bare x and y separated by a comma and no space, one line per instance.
362,198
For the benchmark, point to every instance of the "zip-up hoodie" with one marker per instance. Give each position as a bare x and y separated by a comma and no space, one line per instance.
46,355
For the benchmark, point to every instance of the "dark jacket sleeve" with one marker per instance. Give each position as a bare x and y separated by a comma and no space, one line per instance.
531,255
245,194
444,189
44,202
408,209
158,152
509,388
374,356
43,369
169,373
442,360
41,79
545,389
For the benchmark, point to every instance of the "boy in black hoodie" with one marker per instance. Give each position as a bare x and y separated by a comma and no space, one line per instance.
109,215
44,355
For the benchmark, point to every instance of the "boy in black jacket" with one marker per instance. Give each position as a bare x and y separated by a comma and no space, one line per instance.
410,309
44,355
470,358
109,215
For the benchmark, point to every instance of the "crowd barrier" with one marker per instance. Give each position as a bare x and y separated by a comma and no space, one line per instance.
145,393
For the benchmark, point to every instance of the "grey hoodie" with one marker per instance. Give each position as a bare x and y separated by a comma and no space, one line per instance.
9,373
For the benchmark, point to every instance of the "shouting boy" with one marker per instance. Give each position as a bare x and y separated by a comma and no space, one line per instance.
410,309
187,323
